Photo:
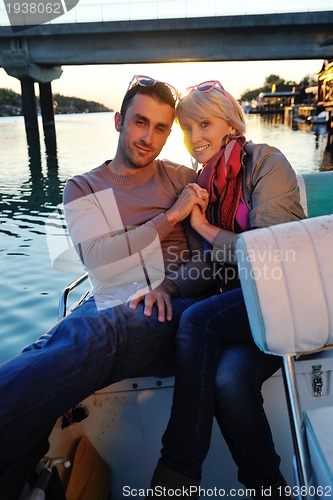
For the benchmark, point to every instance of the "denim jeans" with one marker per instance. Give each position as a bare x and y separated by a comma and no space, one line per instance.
84,352
220,371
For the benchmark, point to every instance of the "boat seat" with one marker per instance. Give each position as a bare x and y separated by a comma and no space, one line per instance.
316,193
286,273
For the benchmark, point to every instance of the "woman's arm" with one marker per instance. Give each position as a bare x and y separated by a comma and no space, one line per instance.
274,199
223,242
274,189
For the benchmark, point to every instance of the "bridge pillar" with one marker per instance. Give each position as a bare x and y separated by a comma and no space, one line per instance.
46,105
16,63
47,110
29,104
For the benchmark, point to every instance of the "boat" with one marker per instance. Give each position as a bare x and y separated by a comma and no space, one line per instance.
112,439
319,119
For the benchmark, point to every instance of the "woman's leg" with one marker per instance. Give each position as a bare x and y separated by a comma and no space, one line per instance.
240,414
204,331
221,370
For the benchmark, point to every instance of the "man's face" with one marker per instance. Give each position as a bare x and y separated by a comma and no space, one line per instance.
144,131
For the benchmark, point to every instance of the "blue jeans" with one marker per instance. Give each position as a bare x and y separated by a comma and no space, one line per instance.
220,371
84,352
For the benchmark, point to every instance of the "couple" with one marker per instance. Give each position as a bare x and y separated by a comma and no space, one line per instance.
123,207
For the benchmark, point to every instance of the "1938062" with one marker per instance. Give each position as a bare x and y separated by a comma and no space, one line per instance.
305,491
34,8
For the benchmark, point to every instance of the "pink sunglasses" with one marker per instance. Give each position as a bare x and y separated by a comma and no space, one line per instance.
205,87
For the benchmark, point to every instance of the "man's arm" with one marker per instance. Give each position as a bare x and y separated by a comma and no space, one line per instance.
107,248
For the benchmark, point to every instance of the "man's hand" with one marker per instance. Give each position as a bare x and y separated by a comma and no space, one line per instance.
161,297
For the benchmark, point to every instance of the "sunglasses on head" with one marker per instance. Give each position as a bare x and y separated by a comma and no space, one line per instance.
146,81
205,87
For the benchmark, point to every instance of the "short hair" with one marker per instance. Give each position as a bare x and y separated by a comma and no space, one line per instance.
213,102
159,90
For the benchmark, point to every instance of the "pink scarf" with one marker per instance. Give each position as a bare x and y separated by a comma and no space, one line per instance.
222,178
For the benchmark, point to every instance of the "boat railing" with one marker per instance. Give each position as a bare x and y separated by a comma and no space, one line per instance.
63,302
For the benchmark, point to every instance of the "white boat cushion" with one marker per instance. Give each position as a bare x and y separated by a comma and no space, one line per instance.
286,274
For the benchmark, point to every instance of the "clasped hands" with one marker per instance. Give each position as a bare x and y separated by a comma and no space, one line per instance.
192,198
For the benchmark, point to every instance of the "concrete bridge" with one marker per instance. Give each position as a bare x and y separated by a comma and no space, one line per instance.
37,54
228,38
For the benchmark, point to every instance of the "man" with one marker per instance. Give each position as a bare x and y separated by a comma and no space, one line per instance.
122,217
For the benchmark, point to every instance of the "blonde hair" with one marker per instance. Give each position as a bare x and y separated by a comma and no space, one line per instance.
214,102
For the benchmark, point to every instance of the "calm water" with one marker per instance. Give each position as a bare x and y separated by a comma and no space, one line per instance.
31,184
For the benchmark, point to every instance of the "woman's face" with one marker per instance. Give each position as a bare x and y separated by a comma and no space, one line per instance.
203,137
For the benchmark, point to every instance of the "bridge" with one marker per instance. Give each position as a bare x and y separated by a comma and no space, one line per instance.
37,54
220,38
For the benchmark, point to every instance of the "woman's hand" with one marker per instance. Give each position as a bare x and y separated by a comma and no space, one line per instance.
197,217
202,195
201,225
191,196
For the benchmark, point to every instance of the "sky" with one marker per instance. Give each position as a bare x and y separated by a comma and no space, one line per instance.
108,83
97,83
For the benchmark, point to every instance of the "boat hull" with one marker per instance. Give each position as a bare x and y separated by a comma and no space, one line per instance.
126,422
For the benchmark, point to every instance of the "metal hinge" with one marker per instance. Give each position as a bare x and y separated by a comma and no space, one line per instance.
317,382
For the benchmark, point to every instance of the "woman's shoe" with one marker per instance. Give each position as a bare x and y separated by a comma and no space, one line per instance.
166,479
277,491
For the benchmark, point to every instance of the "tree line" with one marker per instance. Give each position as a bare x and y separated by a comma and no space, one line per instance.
270,80
10,101
11,104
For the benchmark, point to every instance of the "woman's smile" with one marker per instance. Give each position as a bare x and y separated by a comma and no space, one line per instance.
211,129
201,148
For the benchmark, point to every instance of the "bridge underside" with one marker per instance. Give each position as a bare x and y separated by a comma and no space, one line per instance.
37,54
232,38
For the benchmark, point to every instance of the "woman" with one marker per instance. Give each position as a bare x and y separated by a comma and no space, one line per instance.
220,370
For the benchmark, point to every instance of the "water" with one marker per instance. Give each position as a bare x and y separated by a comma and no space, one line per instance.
31,184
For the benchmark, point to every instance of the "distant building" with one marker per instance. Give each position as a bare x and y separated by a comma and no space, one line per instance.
325,86
280,97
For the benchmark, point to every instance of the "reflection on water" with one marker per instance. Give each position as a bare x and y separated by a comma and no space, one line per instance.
33,173
321,144
304,145
46,189
40,192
